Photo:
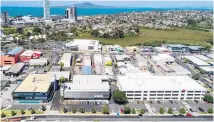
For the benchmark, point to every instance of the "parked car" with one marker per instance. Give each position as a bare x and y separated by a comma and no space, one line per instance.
174,115
189,115
201,109
180,115
191,109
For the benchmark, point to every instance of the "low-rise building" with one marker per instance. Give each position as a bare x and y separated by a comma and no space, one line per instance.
58,74
176,47
38,62
15,70
36,88
86,87
162,59
66,59
196,61
12,56
141,86
29,54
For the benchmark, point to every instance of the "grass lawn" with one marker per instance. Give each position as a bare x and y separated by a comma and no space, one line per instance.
8,112
179,35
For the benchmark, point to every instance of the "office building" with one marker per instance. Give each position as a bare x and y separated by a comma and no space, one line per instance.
11,57
71,13
36,88
86,87
46,7
4,18
141,86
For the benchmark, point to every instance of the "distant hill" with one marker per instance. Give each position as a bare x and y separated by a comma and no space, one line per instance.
86,5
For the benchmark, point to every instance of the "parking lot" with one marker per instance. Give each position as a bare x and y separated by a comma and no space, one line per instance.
195,106
25,106
165,105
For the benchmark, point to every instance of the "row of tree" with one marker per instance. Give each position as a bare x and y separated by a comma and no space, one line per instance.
105,110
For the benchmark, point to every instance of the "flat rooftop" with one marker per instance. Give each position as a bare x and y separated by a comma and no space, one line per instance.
142,82
29,53
15,51
16,68
35,83
196,60
88,83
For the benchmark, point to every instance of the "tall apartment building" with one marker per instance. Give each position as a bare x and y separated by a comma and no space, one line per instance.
46,7
71,13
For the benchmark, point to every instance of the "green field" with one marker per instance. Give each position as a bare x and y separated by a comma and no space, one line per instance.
179,35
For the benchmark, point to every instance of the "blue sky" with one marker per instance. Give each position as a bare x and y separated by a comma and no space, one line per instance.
119,3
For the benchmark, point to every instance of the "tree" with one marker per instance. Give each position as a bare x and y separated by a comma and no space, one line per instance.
73,29
65,110
119,97
3,114
105,110
195,76
61,65
43,108
22,112
74,110
82,110
182,111
186,60
13,113
133,111
19,30
208,47
127,110
37,29
47,27
161,111
170,111
95,33
210,110
208,98
142,111
61,80
93,110
33,111
201,71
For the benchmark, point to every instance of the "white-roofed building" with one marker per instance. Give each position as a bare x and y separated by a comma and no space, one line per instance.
196,61
86,87
161,50
84,45
162,59
141,86
207,70
98,58
66,59
204,58
64,74
40,61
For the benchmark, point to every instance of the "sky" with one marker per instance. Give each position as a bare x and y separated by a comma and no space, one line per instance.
118,3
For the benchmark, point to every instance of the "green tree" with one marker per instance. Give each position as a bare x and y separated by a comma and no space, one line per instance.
37,29
119,97
210,110
208,98
65,110
161,111
13,113
43,108
22,112
73,29
186,60
33,111
201,71
105,110
170,111
61,65
3,114
82,110
74,110
93,110
127,110
195,76
142,111
182,110
95,33
208,47
61,80
133,111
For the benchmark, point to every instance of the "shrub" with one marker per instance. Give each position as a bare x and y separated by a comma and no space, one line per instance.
65,110
22,112
208,98
127,110
133,111
93,110
210,110
161,111
13,113
74,110
82,110
3,114
170,111
142,111
105,110
182,111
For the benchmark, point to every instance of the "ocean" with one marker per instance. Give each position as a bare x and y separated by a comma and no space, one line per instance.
38,11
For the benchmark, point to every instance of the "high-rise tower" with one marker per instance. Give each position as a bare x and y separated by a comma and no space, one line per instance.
46,7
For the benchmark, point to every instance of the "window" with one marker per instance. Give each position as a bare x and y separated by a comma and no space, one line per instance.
190,91
129,94
182,98
152,94
167,91
160,98
190,94
137,91
137,98
145,91
175,91
189,97
167,98
137,94
152,91
174,94
145,98
174,98
197,94
159,94
160,91
196,97
152,98
130,91
167,94
182,94
145,95
197,91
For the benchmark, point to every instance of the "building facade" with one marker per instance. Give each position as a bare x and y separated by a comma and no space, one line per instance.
4,18
46,7
71,13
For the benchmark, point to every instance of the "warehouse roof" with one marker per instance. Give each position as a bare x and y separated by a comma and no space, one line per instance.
179,70
88,83
144,82
66,59
207,69
204,58
35,83
29,53
196,61
16,68
15,51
